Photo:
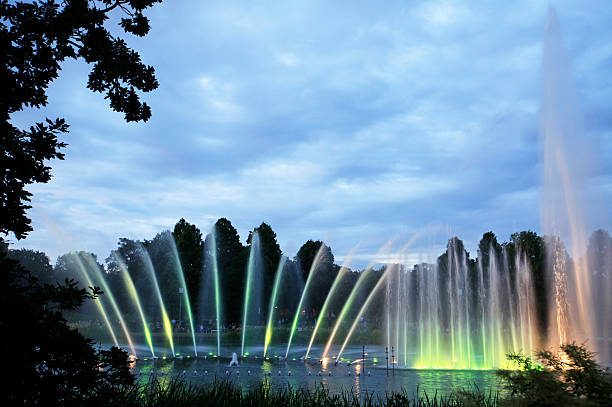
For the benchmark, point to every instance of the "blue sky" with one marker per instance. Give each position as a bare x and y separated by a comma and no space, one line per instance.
343,121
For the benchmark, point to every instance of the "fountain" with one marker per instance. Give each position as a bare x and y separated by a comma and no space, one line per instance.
311,273
252,289
450,313
148,266
178,269
210,286
273,301
136,298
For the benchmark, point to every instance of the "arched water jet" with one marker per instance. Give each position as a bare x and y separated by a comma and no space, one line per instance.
127,279
178,269
331,292
144,254
379,283
277,280
100,278
311,272
97,301
365,274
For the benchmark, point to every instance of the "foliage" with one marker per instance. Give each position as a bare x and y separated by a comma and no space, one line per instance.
36,38
270,255
324,274
36,262
533,248
231,262
190,247
50,362
178,392
568,378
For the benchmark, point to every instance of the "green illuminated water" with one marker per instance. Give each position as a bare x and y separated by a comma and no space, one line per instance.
250,287
93,265
311,272
97,301
349,301
164,314
178,268
332,290
273,300
215,269
136,298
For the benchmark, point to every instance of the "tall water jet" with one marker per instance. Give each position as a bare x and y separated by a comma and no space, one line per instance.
129,283
178,269
252,289
210,285
330,294
148,265
277,280
313,269
93,265
562,209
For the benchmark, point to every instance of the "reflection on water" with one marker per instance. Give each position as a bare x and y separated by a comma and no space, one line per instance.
335,378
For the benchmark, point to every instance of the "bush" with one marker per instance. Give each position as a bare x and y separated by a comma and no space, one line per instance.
49,362
570,377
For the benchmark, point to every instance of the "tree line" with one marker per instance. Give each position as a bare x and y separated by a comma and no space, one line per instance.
232,256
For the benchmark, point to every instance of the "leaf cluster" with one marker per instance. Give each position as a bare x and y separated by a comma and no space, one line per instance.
35,39
50,362
570,377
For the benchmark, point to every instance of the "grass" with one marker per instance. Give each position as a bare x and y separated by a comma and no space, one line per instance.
178,392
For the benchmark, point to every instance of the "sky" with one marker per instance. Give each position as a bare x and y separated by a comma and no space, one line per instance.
349,122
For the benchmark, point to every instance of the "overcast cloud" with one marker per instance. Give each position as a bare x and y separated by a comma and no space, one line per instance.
343,121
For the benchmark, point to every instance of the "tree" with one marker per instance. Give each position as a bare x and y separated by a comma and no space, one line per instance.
270,255
36,262
532,247
36,37
51,363
325,272
190,247
231,262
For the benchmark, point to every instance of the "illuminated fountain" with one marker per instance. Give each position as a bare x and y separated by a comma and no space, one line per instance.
178,270
133,292
210,293
566,161
450,313
273,301
312,272
252,291
88,265
167,325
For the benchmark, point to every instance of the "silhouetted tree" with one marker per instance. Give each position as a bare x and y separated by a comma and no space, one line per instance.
324,274
270,255
36,262
231,262
51,363
190,247
530,245
37,37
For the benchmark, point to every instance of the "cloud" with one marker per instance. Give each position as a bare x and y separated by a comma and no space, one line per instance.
341,121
